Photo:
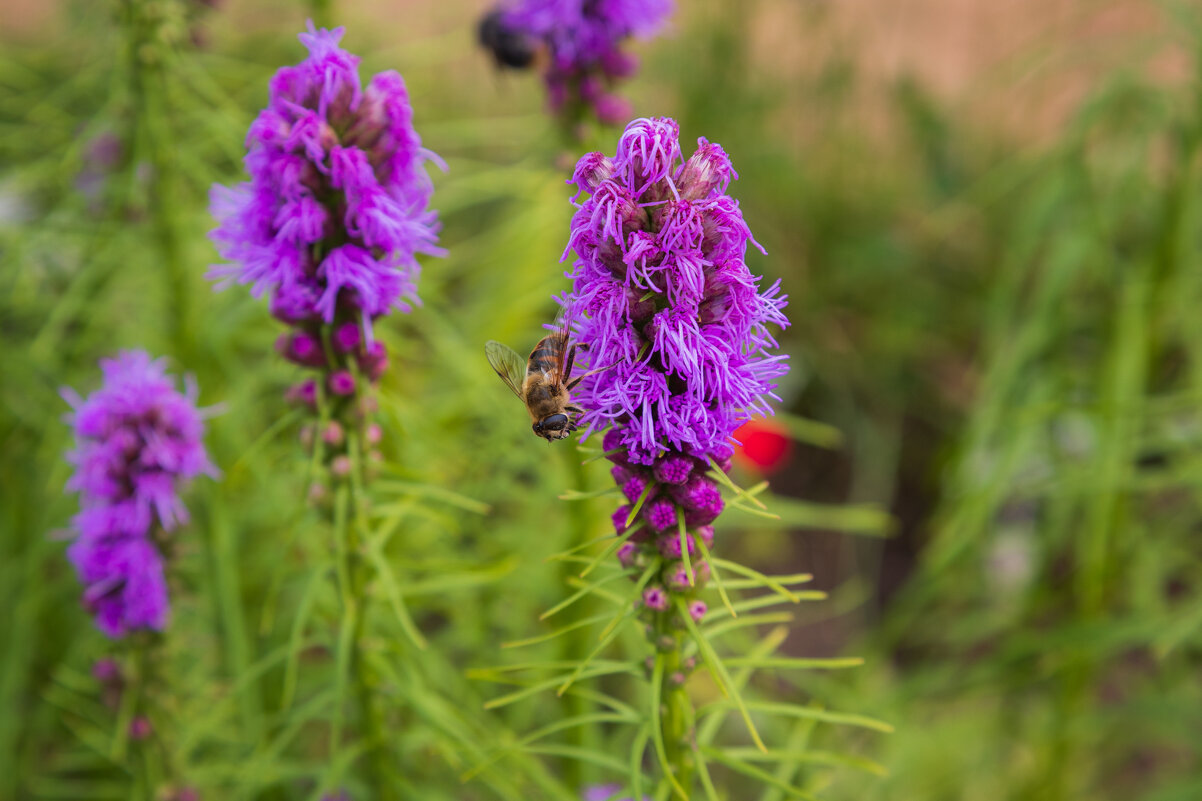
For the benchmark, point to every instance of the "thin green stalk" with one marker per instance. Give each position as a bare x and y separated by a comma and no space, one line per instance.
149,54
677,716
579,641
372,716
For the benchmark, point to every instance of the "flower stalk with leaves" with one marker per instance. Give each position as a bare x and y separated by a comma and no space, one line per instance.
329,227
138,441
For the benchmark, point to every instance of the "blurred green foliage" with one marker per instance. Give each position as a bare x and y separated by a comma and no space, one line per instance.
1005,334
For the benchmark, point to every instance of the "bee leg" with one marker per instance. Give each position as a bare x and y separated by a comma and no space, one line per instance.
567,369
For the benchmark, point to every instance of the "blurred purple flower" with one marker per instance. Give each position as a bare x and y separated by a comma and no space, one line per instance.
583,43
138,439
336,208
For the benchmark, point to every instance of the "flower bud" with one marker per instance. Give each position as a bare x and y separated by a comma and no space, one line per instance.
318,494
619,519
668,544
707,170
676,576
673,468
374,434
655,598
303,394
340,467
660,513
140,728
697,610
347,337
341,382
612,109
374,361
300,348
627,553
591,171
634,487
700,499
107,671
333,434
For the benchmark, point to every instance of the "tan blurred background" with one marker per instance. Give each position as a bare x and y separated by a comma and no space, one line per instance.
1019,64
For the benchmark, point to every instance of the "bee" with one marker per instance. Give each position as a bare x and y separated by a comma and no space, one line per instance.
509,47
544,384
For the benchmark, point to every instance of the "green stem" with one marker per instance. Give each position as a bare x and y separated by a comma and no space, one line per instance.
676,711
581,640
371,715
151,140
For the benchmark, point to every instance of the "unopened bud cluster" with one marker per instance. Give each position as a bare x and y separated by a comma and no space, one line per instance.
677,500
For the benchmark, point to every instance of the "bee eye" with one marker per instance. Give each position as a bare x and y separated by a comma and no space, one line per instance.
555,422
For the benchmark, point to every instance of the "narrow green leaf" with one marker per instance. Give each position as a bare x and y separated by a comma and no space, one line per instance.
728,686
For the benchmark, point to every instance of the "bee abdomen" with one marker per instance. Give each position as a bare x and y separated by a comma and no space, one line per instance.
544,358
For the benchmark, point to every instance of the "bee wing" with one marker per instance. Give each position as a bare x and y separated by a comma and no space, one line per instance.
559,341
507,364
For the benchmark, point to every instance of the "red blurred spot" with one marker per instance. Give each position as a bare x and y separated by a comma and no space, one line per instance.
766,445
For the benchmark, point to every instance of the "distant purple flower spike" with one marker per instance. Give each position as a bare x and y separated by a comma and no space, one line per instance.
337,206
138,439
581,41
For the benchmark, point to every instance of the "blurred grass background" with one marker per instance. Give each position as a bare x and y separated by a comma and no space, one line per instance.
985,216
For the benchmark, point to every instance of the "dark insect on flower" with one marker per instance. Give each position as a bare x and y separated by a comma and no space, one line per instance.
510,47
543,384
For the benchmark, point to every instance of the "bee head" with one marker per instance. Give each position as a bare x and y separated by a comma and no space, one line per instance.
553,427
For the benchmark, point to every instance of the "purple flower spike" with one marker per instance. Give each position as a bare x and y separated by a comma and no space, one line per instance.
679,334
138,441
708,364
337,207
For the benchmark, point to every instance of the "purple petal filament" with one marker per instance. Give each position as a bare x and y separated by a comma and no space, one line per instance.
138,439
